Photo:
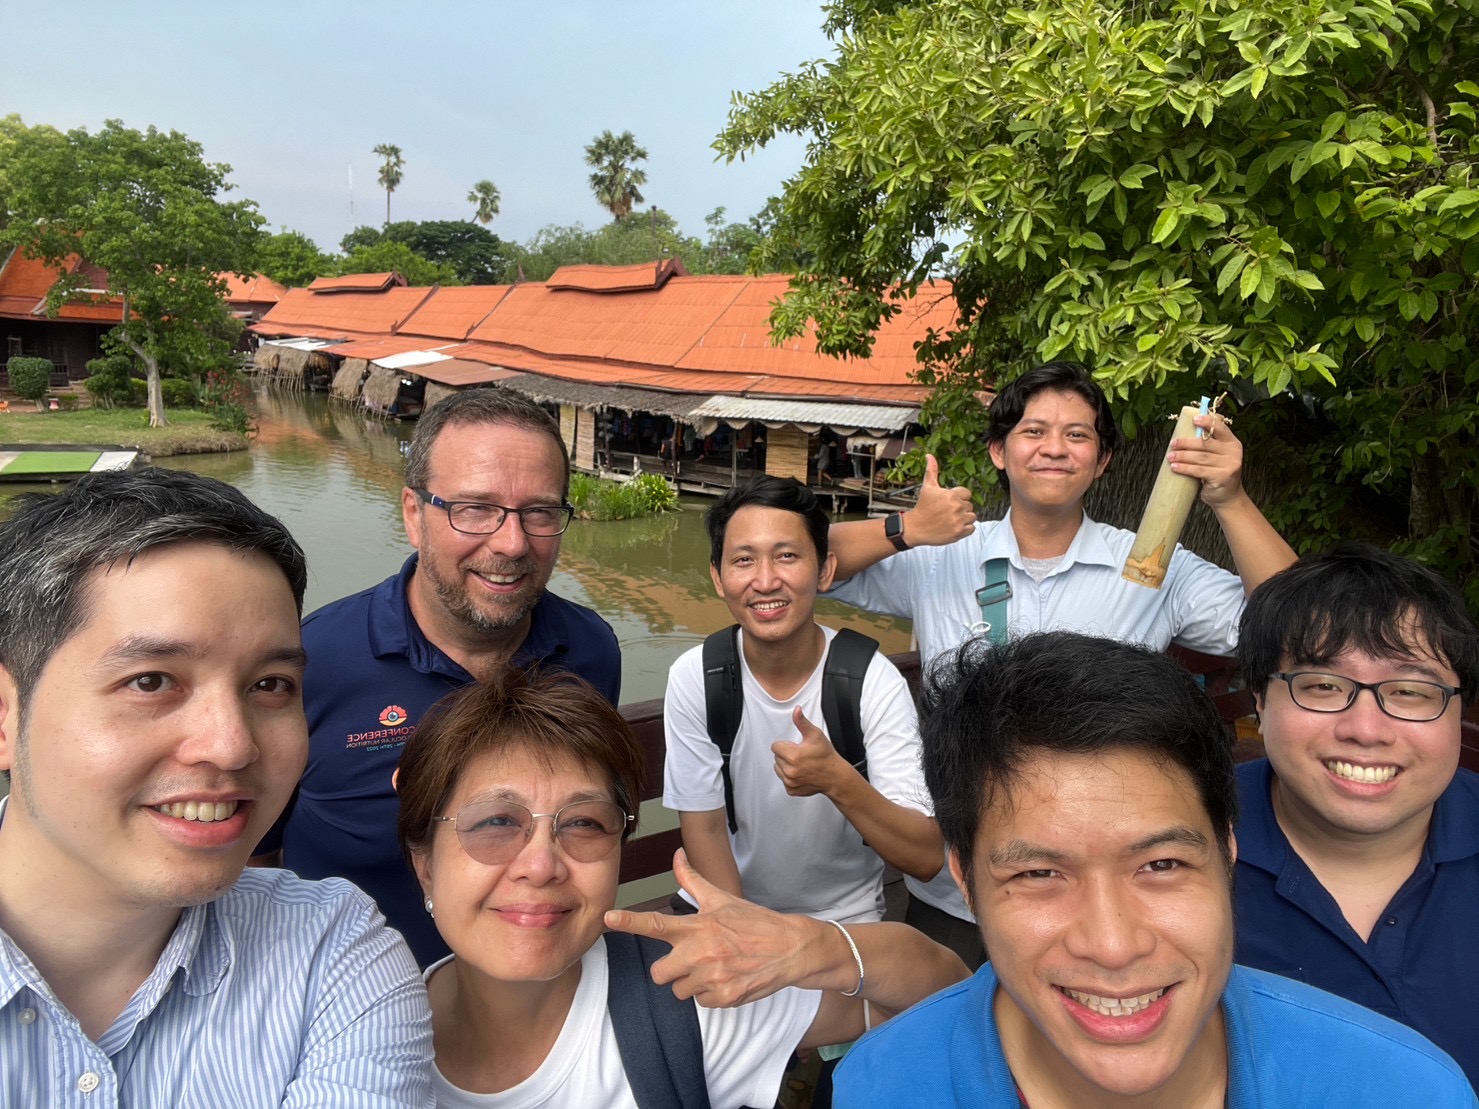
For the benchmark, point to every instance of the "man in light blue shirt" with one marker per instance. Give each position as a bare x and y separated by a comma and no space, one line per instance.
151,722
1052,435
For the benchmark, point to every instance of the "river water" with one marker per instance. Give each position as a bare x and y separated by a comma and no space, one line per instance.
334,477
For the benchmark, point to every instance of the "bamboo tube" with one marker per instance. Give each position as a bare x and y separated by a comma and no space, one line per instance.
1165,515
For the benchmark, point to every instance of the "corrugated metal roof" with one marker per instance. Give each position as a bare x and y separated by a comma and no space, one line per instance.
356,282
410,359
552,390
457,371
809,415
302,342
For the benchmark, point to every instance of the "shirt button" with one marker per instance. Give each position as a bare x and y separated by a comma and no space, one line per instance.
1391,922
88,1082
27,1016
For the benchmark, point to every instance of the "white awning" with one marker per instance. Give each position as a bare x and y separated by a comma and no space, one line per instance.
808,415
410,359
301,344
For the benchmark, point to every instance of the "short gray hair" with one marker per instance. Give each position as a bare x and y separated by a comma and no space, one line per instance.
52,543
482,405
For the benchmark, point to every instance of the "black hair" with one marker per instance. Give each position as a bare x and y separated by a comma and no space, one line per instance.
768,492
54,541
1068,377
986,711
1356,597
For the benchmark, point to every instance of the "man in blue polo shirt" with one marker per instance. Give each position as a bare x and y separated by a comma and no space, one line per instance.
1358,850
484,505
1086,791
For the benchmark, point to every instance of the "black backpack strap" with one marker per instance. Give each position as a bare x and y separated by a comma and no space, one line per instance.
842,694
724,704
661,1048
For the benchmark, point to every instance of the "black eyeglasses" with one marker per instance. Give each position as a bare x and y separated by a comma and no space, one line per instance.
477,518
1403,698
493,832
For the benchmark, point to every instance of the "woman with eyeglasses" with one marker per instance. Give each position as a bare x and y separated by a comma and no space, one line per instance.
515,798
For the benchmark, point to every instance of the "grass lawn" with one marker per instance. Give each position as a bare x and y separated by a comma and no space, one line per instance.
189,432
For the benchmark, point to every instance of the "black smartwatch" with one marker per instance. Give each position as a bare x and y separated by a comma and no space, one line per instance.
893,530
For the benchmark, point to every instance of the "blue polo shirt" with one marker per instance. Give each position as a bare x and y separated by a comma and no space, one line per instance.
1287,1046
371,676
1421,965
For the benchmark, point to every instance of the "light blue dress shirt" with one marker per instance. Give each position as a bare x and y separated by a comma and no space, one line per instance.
281,992
1197,606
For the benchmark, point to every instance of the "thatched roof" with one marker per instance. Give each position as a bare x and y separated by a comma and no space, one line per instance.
381,388
347,380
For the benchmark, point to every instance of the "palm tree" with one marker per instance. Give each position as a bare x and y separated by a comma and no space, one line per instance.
484,197
390,172
616,179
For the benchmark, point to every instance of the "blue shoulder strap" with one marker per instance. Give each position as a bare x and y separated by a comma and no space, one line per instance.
993,598
662,1050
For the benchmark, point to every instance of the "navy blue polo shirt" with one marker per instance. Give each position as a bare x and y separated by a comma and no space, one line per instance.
371,676
1421,965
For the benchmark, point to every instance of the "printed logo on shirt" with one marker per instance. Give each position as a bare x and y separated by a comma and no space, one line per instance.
395,729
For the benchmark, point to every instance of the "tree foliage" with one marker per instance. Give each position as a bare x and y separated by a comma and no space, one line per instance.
1280,195
30,377
617,180
292,259
484,198
392,169
389,255
475,255
146,208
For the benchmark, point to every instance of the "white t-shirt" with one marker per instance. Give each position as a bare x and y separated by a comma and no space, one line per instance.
795,854
746,1050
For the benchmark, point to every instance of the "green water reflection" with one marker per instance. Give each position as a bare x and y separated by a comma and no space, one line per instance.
334,477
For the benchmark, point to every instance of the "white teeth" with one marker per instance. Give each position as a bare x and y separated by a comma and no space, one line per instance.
203,812
500,579
768,606
1114,1006
1372,775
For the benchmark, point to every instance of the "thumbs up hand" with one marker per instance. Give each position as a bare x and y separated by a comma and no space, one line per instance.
941,515
810,766
732,952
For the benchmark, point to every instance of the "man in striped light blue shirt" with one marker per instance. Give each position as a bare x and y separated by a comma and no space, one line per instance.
151,722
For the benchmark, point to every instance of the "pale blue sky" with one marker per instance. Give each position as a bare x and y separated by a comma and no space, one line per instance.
292,94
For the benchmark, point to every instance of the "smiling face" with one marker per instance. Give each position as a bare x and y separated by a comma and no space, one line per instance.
1360,773
483,584
1052,455
163,737
1106,906
532,918
769,575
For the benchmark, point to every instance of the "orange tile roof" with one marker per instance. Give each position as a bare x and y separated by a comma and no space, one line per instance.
453,312
372,349
693,334
616,279
24,283
342,315
356,282
256,289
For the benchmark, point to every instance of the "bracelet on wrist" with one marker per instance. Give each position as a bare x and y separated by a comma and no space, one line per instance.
857,956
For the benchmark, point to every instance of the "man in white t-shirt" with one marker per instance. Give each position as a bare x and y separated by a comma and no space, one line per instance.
811,833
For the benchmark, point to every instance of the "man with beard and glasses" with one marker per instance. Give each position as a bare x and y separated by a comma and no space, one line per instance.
484,505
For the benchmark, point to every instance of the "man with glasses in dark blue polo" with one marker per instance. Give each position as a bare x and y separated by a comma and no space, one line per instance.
484,505
1358,847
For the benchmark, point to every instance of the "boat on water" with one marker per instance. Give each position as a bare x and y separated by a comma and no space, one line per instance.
42,462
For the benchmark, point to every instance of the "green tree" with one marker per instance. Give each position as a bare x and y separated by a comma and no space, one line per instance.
475,254
1279,194
616,181
729,245
146,208
484,198
390,256
391,171
292,258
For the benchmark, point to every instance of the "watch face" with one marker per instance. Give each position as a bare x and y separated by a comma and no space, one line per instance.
893,524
